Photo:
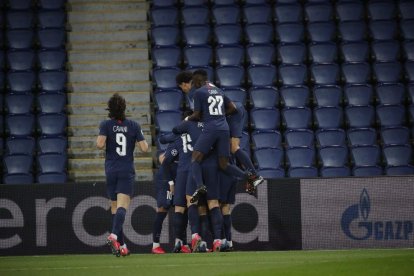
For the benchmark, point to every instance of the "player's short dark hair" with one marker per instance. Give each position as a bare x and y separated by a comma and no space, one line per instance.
116,107
200,77
187,112
184,76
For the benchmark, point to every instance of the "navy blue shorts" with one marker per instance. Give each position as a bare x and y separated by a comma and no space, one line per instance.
236,124
180,188
219,138
227,188
119,182
211,180
163,187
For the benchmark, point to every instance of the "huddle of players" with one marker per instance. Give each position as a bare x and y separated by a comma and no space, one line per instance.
196,169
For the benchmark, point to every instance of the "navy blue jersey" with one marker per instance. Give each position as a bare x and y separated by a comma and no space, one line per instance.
211,102
121,137
190,98
237,120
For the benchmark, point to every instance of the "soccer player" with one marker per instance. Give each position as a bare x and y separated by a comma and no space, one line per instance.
227,198
119,136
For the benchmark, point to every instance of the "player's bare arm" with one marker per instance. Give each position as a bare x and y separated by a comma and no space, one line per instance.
101,141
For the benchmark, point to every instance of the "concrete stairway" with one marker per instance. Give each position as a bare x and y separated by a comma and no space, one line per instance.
108,53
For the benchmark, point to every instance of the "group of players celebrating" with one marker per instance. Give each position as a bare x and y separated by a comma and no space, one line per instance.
196,174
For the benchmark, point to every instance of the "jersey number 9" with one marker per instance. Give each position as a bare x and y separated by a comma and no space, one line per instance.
122,142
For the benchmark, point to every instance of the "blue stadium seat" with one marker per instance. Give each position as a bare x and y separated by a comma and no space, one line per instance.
19,82
323,52
51,18
226,34
290,32
292,53
356,51
318,12
58,144
323,74
381,10
51,162
271,173
51,4
2,60
195,15
330,137
293,74
1,125
266,139
409,70
51,102
386,72
327,95
288,13
20,145
267,96
166,56
295,96
52,59
1,140
165,121
262,75
19,39
164,3
333,156
200,55
356,72
362,136
366,160
301,161
19,19
297,117
302,172
408,47
358,94
299,138
19,103
51,178
350,10
52,81
20,60
229,55
52,124
335,171
390,115
265,118
360,116
194,2
20,124
351,31
236,94
328,117
196,34
165,35
164,77
395,135
226,14
164,16
383,29
390,93
230,76
20,4
51,38
18,178
259,33
406,9
387,50
257,13
407,29
18,163
257,54
224,2
268,158
168,99
321,31
398,159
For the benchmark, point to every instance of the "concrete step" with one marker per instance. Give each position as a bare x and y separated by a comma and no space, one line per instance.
111,87
104,76
108,26
106,36
80,176
143,118
92,6
92,164
113,45
77,143
100,109
107,55
107,16
102,97
94,130
113,65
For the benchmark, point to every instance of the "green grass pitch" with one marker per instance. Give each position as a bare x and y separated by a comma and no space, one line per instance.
339,262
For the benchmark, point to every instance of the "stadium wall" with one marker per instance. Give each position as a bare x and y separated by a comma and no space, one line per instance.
287,214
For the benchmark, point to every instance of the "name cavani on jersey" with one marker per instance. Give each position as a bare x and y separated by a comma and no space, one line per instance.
120,129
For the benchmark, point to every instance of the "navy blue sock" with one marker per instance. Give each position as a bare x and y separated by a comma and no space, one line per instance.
193,218
217,221
178,224
121,234
245,160
227,227
157,227
184,227
234,171
204,226
196,173
118,221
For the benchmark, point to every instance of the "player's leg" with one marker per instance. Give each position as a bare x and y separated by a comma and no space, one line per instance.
180,216
157,229
217,223
225,210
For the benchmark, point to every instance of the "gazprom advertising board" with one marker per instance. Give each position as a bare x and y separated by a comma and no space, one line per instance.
355,212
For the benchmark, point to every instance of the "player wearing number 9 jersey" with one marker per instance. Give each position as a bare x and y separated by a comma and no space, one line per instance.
119,135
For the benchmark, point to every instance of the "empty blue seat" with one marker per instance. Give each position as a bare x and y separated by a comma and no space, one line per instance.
18,178
381,10
20,145
21,81
406,9
358,94
387,50
258,33
166,56
333,156
390,93
409,71
408,47
51,162
265,118
290,32
18,163
268,158
168,99
236,94
299,138
19,39
266,139
19,103
51,178
165,35
51,38
292,74
362,136
295,96
194,2
330,137
20,124
297,117
335,171
165,121
51,18
226,34
20,60
196,34
52,124
52,59
323,74
407,29
229,55
51,4
164,3
200,55
195,15
350,31
164,77
321,31
385,72
360,116
395,135
390,115
383,29
20,19
288,13
328,117
366,160
350,10
399,170
52,81
262,75
323,52
292,53
57,144
164,16
271,173
51,102
327,95
300,161
226,14
303,172
230,76
257,13
260,53
356,51
318,12
398,159
356,72
267,96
